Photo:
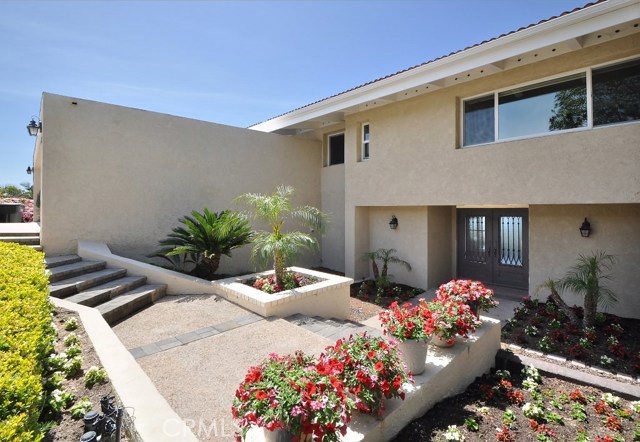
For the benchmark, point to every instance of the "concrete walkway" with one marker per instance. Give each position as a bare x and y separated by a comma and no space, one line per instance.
9,229
196,350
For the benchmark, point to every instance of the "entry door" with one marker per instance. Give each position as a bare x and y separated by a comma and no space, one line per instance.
493,246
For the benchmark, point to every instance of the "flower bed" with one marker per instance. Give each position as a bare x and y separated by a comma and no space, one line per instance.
328,298
613,344
521,404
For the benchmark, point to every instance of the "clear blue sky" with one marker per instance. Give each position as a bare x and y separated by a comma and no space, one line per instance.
230,62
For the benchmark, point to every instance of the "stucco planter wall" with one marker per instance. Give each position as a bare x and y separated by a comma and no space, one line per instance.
328,298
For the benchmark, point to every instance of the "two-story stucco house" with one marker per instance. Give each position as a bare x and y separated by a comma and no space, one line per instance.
489,159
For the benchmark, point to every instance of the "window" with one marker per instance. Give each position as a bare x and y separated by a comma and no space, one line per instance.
555,105
479,123
616,93
545,107
336,149
365,141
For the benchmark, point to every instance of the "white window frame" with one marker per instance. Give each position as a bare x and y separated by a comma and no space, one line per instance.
589,91
365,144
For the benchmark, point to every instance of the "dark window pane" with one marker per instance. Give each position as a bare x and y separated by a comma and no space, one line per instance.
551,106
479,121
336,149
616,93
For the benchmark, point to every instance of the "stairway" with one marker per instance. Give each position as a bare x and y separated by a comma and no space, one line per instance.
21,233
93,284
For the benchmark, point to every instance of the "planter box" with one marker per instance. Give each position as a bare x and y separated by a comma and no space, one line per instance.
328,298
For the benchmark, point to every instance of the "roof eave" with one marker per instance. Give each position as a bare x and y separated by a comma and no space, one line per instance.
560,29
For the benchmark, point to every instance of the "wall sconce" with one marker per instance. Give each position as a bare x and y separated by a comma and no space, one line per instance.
33,128
30,170
393,224
585,229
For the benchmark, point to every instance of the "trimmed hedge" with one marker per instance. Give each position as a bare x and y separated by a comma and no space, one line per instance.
26,339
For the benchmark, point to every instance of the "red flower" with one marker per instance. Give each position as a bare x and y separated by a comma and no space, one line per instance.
261,395
379,366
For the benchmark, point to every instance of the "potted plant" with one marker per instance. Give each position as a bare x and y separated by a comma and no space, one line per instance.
412,327
370,368
472,293
290,393
449,318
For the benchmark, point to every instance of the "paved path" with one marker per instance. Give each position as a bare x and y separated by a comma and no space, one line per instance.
197,348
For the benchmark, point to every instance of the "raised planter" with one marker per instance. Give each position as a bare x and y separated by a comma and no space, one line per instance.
328,298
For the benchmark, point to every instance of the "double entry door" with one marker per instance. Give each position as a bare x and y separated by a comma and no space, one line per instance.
493,246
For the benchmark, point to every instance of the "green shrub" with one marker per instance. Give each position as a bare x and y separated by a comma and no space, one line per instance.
26,339
95,375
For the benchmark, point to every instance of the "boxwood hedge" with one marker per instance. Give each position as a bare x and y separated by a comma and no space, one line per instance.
26,339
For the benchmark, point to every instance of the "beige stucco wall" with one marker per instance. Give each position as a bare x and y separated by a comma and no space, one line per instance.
555,244
440,245
416,161
124,176
333,186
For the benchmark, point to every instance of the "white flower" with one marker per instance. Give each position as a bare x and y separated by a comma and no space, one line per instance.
611,400
453,433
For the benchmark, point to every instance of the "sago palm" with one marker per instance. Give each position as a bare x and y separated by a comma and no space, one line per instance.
585,279
206,237
276,244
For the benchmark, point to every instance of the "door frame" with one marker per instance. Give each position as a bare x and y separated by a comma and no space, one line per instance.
488,268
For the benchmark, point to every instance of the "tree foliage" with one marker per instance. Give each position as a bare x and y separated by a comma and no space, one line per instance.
205,237
277,244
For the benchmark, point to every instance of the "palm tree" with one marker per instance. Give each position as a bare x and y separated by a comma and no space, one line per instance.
276,244
207,236
585,278
387,256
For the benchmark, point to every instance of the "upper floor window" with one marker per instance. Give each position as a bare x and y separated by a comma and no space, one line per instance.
336,149
365,141
555,105
616,93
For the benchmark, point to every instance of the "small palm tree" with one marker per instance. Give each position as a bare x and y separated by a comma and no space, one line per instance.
276,244
387,256
585,278
207,236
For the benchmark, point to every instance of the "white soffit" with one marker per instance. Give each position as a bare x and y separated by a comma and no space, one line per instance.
586,27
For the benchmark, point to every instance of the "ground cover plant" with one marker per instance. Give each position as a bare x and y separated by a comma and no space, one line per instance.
613,343
75,381
521,404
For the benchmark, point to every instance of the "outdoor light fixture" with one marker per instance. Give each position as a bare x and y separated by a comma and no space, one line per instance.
393,224
585,229
30,170
34,127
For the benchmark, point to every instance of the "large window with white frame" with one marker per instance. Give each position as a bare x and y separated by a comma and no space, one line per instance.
365,143
594,97
335,149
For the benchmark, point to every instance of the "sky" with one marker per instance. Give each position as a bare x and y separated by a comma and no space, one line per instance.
230,62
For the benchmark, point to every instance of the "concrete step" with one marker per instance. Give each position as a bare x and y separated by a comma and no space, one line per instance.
66,287
331,328
130,302
15,232
103,293
61,260
26,240
75,269
36,248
